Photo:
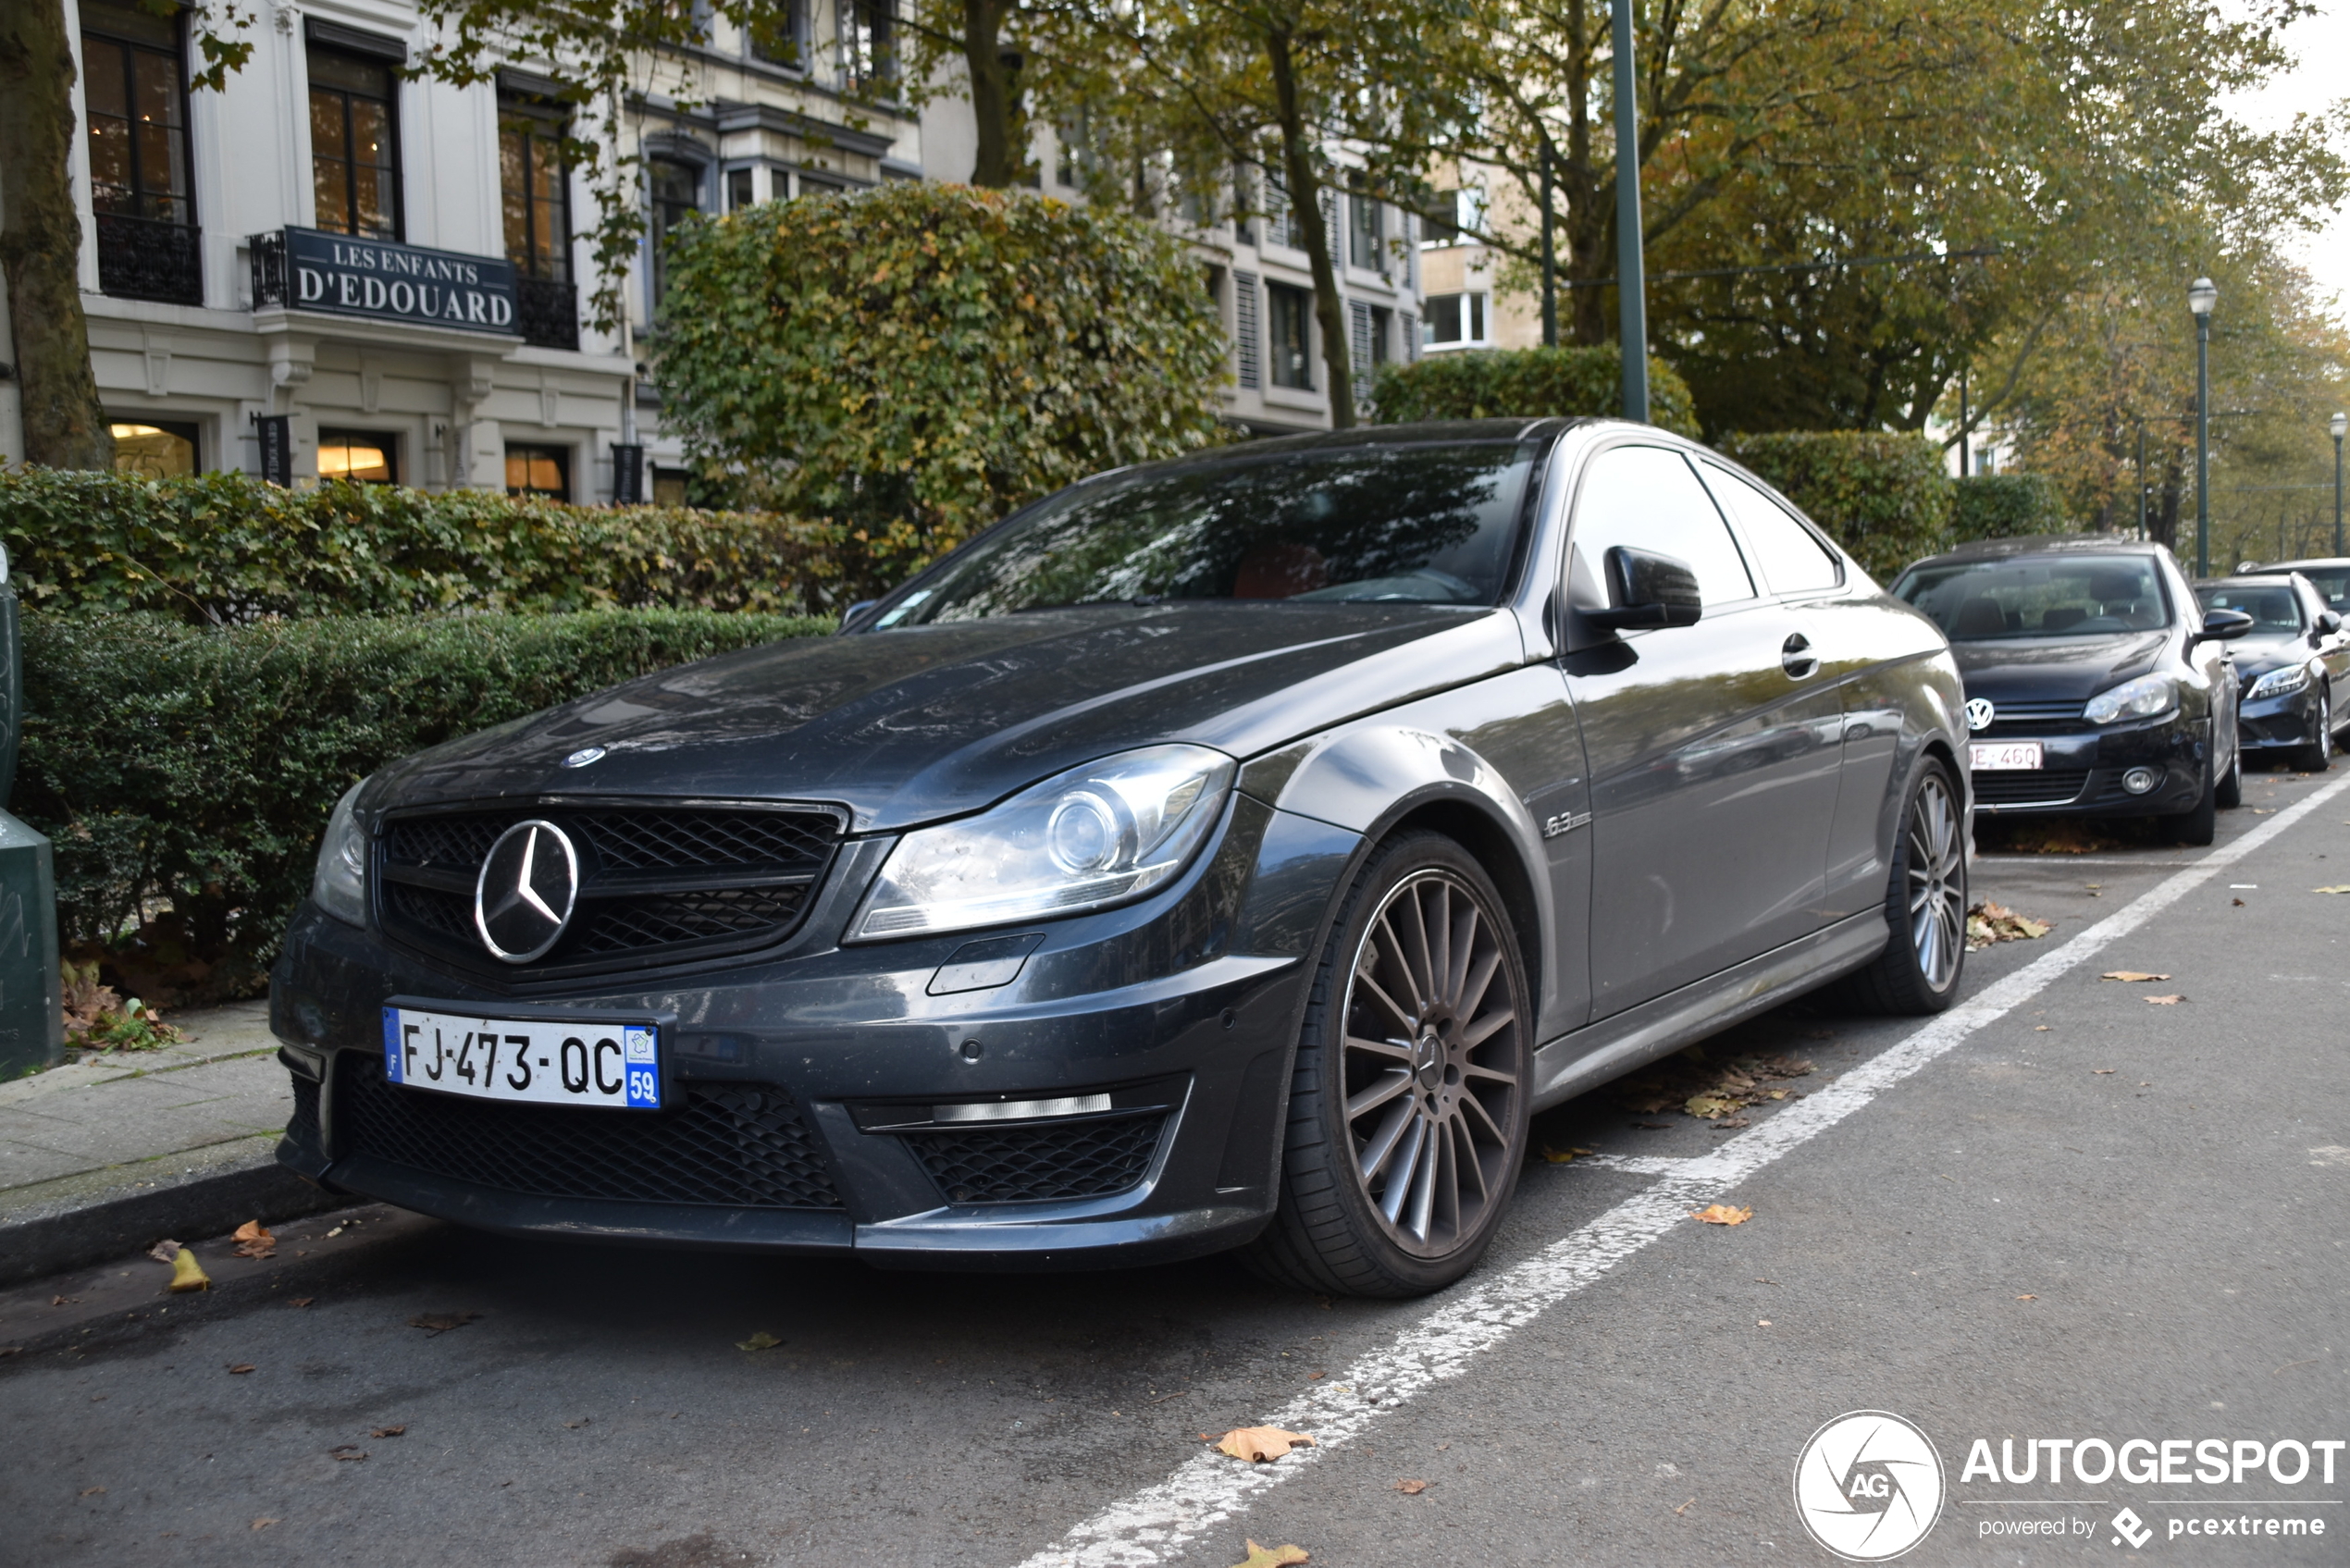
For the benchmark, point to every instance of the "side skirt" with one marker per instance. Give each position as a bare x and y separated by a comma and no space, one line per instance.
1591,1056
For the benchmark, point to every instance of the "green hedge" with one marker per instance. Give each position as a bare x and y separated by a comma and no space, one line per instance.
1527,383
1887,498
227,548
198,766
2004,506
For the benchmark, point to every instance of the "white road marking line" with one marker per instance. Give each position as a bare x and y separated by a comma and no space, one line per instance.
1154,1523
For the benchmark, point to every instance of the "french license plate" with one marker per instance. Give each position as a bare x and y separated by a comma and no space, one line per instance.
2001,757
608,1063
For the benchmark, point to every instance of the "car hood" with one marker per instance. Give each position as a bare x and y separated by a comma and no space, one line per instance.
910,726
2055,669
2257,656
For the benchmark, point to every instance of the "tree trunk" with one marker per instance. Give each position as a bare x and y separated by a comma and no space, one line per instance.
995,88
41,241
1590,228
1306,203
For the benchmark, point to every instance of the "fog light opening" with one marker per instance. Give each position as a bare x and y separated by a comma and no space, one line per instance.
2138,781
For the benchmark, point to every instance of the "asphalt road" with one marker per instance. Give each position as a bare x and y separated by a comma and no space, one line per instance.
2087,1217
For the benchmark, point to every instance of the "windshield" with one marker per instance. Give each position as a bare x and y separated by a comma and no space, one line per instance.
2275,612
2070,596
1429,525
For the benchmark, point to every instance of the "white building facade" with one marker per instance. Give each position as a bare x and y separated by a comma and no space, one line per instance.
329,271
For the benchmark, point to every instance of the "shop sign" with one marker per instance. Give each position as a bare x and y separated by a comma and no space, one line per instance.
388,281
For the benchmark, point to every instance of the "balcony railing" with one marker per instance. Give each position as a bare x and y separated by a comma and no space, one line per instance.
548,313
272,278
144,258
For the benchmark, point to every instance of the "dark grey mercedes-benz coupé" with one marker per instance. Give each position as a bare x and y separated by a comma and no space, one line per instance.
1229,851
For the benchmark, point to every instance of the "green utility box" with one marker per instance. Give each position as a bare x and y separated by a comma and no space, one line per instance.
32,1019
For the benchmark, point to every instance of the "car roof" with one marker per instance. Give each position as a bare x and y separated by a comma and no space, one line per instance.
2039,544
2265,577
2303,564
1398,435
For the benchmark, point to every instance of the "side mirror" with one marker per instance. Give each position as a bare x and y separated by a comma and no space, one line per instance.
2219,625
1646,588
2329,623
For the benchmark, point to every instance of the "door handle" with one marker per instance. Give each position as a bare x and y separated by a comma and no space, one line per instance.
1797,658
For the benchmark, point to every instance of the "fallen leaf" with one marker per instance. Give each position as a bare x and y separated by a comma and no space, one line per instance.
65,1301
1310,1377
387,1432
1561,1157
1411,1488
2027,1298
440,1322
303,1301
91,1491
1272,1556
1722,1214
253,1242
1987,922
2344,887
187,1274
2039,1028
348,1452
2103,1073
762,1340
2171,1001
264,1523
1761,1323
240,1366
583,1421
1262,1445
164,1251
2237,901
1684,1508
2131,975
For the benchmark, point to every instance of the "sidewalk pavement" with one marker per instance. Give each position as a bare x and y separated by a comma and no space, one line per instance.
112,1153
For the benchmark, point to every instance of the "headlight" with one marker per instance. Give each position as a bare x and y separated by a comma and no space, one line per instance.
2278,682
340,885
2141,699
1097,835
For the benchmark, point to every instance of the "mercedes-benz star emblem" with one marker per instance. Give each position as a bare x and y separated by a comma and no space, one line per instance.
523,898
1979,712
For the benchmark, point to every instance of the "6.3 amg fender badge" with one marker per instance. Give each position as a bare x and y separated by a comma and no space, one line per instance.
524,896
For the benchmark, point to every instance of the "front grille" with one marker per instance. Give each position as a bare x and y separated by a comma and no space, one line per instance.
2010,719
2036,786
742,1145
1016,1165
657,883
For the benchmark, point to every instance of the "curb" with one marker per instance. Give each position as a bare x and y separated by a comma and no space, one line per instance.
78,1231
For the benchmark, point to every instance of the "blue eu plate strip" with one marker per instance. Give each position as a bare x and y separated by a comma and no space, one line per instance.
391,1044
638,1050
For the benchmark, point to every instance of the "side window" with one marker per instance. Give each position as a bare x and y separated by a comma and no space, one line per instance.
1647,498
1792,561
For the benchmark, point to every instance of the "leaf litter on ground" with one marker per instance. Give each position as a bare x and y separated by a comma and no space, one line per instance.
1722,1214
2171,1001
253,1242
1691,1083
2132,976
1987,922
1273,1556
762,1340
1261,1445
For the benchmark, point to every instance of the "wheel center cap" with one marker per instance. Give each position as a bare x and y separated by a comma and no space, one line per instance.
1428,1060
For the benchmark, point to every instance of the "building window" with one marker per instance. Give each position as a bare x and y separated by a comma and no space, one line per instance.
1454,218
676,196
778,34
355,144
1454,320
738,189
533,181
363,457
1288,311
538,471
869,45
817,185
137,114
155,449
671,486
1366,233
1382,336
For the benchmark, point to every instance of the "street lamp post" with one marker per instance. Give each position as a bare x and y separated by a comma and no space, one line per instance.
1631,285
2339,424
2201,296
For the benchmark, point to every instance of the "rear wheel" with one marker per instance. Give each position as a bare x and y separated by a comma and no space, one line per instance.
1408,1105
1924,904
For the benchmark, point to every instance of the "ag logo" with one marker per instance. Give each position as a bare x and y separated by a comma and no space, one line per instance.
1868,1485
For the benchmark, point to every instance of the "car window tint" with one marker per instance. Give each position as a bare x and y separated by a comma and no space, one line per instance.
2274,608
1647,498
1429,524
2049,596
1792,561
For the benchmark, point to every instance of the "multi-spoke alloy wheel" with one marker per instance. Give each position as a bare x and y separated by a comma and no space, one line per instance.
1925,905
1937,868
1409,1099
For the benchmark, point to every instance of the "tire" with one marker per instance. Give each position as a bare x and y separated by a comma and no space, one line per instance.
1926,903
1429,1088
2200,824
2318,755
2228,794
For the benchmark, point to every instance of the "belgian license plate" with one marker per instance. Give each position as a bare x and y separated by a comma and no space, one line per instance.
608,1063
1994,756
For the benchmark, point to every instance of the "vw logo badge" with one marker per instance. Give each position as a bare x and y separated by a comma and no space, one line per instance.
1868,1485
1979,712
523,899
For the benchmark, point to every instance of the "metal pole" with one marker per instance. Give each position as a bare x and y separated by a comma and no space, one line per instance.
1550,259
2140,470
1631,281
2337,492
1966,441
2203,445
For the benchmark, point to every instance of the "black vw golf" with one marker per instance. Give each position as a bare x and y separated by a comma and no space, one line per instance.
2096,684
1231,851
